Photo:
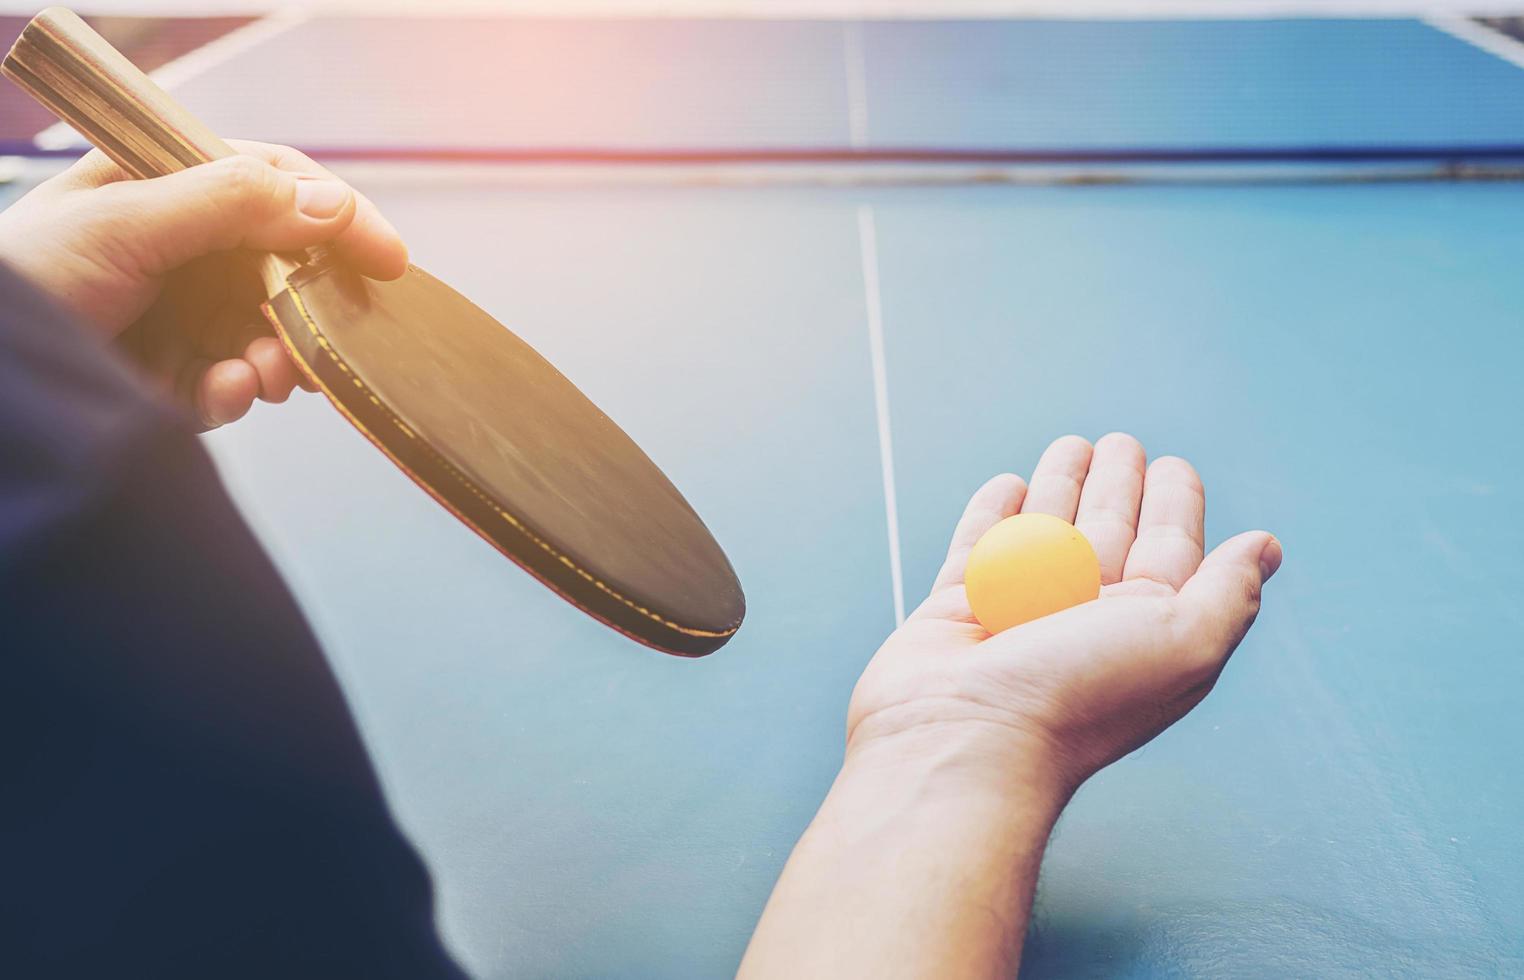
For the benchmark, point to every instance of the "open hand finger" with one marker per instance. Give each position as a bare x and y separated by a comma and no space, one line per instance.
1108,505
999,498
1058,478
1171,525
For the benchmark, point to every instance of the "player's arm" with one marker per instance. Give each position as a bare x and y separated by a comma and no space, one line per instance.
921,863
963,747
186,792
155,264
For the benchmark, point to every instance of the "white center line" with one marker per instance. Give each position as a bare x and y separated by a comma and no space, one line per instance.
867,234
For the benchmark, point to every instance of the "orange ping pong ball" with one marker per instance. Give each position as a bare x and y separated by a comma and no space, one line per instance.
1029,566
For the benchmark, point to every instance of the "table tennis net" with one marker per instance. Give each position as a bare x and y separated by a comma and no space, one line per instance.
1444,90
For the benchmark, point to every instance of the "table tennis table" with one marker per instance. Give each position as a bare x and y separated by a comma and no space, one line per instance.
832,274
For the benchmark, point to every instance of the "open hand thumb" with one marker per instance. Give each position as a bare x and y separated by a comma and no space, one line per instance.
1224,594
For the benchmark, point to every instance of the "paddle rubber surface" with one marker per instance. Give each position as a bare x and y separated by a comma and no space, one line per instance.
503,440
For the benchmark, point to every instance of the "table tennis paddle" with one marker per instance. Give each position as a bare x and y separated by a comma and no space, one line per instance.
468,410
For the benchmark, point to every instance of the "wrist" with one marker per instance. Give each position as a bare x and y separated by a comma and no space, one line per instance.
973,790
970,755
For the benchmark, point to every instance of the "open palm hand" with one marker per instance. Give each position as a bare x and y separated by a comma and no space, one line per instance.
1081,688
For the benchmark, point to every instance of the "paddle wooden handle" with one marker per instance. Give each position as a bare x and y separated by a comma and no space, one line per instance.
64,64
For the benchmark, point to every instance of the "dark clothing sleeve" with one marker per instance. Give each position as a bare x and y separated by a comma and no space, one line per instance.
186,793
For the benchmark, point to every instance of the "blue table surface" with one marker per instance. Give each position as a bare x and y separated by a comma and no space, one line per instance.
1340,360
1341,363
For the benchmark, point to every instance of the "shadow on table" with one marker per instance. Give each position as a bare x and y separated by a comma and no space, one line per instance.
1276,938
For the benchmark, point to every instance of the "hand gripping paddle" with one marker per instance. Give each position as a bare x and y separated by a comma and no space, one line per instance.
468,410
